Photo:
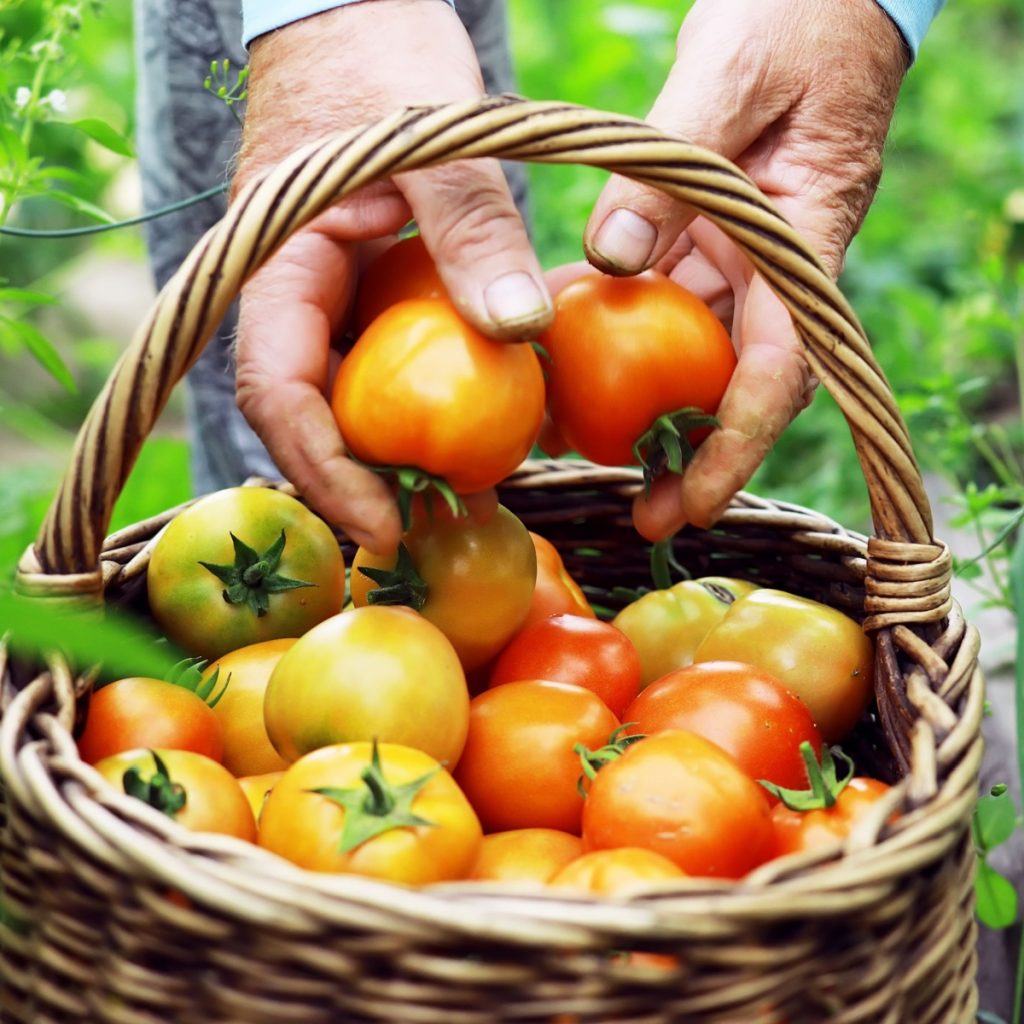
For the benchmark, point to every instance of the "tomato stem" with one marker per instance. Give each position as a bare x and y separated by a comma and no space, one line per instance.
411,481
592,761
667,442
159,790
401,585
378,806
825,784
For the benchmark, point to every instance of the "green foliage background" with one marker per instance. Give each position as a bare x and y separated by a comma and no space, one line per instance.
932,273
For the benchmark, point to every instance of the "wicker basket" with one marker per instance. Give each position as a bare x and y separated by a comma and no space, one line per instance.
880,931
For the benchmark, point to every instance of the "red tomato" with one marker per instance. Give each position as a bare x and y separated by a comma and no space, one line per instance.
196,792
140,712
519,768
796,831
616,872
748,713
403,271
572,649
626,350
819,653
685,798
556,592
525,855
422,388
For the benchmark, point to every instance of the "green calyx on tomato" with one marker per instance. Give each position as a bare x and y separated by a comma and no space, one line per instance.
667,442
159,790
188,674
401,585
377,808
593,760
253,577
825,784
411,481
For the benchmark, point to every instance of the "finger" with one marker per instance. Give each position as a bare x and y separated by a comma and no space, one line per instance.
289,312
474,233
720,104
770,385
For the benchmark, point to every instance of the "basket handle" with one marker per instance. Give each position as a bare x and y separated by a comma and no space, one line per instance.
285,198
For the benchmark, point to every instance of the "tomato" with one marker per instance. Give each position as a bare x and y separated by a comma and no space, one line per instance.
625,351
244,675
385,810
682,796
220,571
141,712
616,872
519,768
556,592
471,578
403,271
525,855
747,712
666,626
573,649
818,653
195,791
797,831
377,672
257,788
422,388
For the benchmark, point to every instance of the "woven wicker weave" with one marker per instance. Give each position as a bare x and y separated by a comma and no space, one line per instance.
880,931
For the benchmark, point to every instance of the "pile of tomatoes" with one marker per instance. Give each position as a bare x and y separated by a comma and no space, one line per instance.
454,709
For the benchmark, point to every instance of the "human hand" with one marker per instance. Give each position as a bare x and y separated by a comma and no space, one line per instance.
799,94
315,77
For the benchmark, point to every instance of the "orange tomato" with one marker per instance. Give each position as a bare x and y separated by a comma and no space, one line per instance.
797,831
525,855
405,270
422,388
396,815
245,674
205,796
518,768
257,788
556,592
141,712
616,872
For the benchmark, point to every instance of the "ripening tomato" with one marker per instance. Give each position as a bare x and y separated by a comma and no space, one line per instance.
519,768
618,872
797,831
241,566
194,790
624,351
141,712
243,675
666,626
370,673
556,592
818,653
573,649
684,797
422,388
525,855
471,577
747,712
383,810
405,270
257,788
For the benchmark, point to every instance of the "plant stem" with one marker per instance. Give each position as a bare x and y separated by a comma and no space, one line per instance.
1018,988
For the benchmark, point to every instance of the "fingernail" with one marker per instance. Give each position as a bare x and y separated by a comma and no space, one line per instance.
516,298
625,240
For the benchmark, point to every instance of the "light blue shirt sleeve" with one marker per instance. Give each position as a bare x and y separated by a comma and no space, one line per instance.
260,16
912,18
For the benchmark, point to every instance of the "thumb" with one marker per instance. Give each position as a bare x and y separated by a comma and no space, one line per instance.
723,104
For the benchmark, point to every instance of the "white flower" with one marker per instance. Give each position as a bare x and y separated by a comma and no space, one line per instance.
21,97
58,100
